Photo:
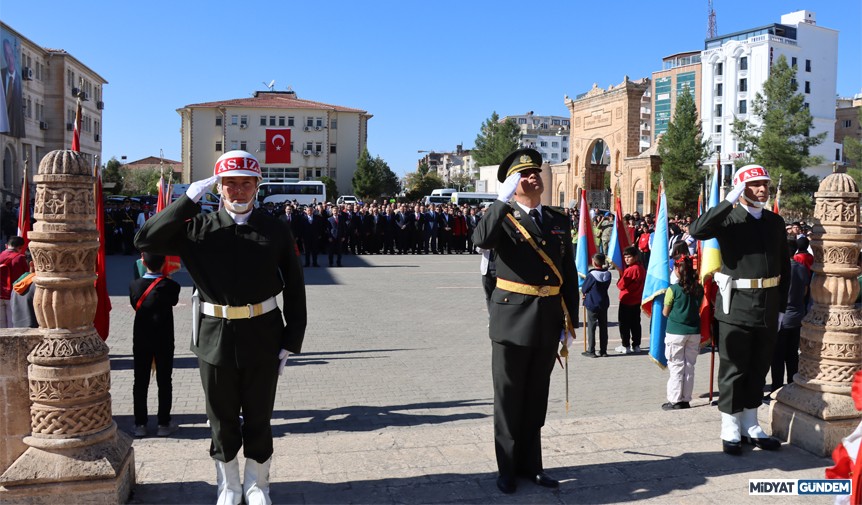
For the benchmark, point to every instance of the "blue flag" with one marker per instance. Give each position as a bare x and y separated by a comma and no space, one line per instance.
657,282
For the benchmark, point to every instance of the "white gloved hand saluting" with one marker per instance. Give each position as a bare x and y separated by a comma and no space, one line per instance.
736,192
507,189
197,189
282,356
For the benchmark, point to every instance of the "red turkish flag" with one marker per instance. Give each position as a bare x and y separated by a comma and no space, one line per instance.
278,146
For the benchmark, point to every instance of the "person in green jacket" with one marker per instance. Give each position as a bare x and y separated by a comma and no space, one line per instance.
682,340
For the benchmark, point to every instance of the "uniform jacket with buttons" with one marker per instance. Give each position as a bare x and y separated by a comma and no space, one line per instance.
516,318
235,265
750,249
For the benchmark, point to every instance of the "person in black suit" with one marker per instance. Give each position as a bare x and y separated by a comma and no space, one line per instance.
416,221
389,232
403,229
336,232
153,297
472,221
354,228
534,304
311,229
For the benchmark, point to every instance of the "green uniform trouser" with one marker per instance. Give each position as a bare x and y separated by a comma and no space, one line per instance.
745,356
229,390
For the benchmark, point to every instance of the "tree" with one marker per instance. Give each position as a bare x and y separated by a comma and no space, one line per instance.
140,181
682,150
112,175
853,155
419,185
495,140
462,181
781,140
373,178
331,188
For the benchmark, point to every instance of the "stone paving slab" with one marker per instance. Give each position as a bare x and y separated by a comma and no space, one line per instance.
391,402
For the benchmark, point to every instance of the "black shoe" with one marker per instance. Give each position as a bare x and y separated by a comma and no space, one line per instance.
603,354
589,354
767,444
543,480
684,405
732,448
506,484
670,406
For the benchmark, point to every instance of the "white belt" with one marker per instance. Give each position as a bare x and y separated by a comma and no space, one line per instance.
241,312
725,283
770,282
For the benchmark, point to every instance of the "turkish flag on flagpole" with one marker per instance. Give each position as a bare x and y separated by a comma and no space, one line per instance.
278,146
102,319
76,135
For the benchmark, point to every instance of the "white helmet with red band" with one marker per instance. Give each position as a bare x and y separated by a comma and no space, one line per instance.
237,164
750,173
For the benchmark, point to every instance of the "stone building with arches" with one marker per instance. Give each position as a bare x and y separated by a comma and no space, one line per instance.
606,147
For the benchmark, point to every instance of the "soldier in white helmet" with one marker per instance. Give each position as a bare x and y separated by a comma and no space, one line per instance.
753,284
239,260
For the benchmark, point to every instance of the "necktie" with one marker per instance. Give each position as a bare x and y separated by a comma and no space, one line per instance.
536,217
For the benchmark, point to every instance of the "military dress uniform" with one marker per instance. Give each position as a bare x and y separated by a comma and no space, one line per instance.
239,269
526,320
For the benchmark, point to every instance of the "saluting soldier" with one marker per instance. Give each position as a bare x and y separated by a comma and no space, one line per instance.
240,260
752,293
534,301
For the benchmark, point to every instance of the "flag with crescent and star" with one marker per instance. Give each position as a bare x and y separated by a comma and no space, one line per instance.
278,146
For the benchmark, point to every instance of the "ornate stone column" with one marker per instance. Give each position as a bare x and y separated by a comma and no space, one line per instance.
76,454
815,412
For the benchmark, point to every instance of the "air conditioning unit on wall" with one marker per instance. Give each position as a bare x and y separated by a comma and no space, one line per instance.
306,153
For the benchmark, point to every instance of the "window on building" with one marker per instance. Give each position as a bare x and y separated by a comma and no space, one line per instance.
743,85
522,120
848,123
743,63
271,120
333,125
718,128
718,111
243,145
262,146
808,65
719,89
565,150
793,62
565,122
263,120
808,86
554,156
309,146
805,105
743,107
309,173
234,119
318,147
289,120
719,68
793,83
838,155
555,144
718,148
309,121
543,144
243,120
218,120
280,120
291,147
318,121
233,145
555,122
331,148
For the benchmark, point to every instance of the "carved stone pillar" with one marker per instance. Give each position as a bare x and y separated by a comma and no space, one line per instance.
76,454
815,412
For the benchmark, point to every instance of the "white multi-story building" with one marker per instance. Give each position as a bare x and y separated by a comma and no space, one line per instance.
450,166
41,87
325,140
735,66
547,134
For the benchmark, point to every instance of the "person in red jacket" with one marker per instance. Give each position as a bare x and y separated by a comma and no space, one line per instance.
631,285
13,264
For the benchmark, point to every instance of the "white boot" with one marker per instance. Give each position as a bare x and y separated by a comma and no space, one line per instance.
730,427
750,425
256,482
229,486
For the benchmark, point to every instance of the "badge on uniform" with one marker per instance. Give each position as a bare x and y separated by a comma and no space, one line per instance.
557,231
517,214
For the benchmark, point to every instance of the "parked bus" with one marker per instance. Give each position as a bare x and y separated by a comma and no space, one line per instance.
437,199
443,192
471,199
304,192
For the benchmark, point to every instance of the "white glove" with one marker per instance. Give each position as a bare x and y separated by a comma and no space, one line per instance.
507,189
780,319
735,193
282,356
197,189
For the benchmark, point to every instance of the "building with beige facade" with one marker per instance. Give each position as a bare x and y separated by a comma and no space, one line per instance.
40,86
324,140
457,165
847,123
549,135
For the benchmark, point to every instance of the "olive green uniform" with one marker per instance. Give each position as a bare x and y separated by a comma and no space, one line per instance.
236,265
750,249
525,329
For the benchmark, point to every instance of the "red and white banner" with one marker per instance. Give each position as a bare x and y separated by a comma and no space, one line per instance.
278,146
76,135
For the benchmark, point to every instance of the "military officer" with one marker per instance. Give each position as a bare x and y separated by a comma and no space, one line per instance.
534,300
240,260
752,291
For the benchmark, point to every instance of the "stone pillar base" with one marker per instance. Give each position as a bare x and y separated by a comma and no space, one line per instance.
812,420
103,473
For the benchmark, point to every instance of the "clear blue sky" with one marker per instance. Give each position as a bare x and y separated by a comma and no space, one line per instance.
429,72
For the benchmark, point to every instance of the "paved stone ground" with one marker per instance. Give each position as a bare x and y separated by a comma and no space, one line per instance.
391,402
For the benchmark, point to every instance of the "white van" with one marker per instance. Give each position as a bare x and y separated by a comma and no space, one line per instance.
346,200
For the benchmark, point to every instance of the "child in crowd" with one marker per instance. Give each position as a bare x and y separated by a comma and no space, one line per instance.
596,301
153,297
682,341
631,285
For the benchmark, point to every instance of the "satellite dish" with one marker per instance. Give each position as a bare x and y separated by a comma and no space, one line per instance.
270,85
